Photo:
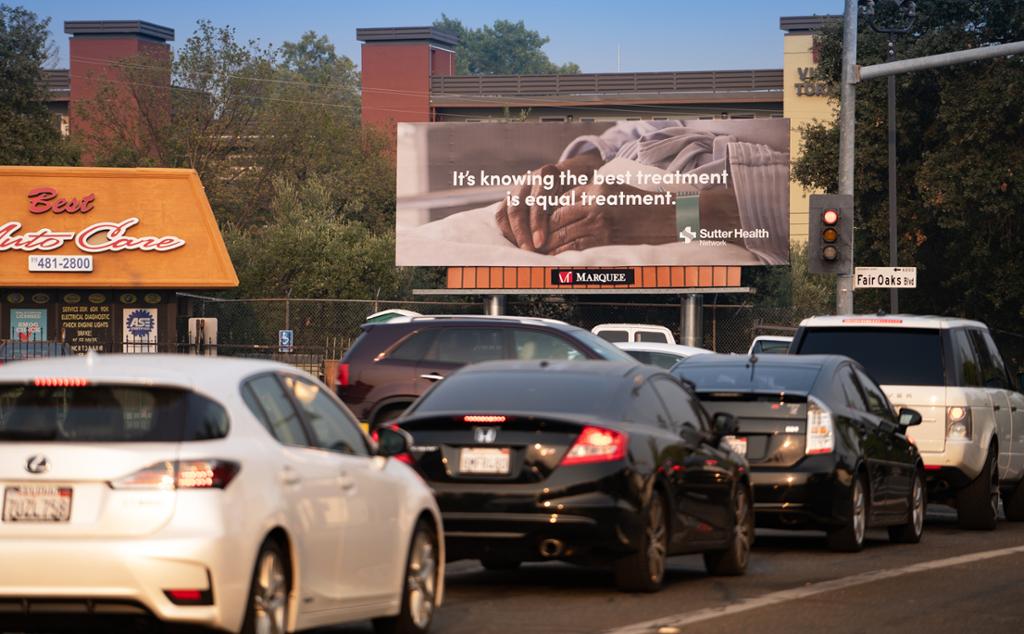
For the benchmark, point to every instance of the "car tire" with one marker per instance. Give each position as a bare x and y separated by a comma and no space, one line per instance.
267,609
496,564
387,414
1013,503
910,533
977,504
644,570
733,560
419,588
849,538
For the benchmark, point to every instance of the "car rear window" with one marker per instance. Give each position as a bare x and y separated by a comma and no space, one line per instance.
892,356
614,336
484,392
761,377
108,413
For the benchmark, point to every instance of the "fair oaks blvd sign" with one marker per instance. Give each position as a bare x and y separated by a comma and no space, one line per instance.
109,228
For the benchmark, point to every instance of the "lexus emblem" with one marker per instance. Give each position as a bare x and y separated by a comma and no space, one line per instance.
37,464
485,435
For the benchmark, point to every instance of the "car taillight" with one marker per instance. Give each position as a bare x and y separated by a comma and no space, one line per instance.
958,422
487,419
595,444
60,381
820,428
184,474
343,374
190,597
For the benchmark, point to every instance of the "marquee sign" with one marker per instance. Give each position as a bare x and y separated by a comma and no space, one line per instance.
105,228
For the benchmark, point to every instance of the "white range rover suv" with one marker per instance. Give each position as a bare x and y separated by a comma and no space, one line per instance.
949,370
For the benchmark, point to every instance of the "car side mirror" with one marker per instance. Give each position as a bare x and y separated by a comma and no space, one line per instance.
909,417
392,441
724,424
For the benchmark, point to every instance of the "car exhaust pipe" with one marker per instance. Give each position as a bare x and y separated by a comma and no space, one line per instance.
551,548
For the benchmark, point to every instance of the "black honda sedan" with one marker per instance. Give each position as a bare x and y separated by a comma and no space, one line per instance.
826,449
584,461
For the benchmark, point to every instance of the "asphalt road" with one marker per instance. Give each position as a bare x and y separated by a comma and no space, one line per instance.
953,581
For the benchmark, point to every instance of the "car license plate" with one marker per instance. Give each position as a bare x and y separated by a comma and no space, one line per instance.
737,444
37,504
484,460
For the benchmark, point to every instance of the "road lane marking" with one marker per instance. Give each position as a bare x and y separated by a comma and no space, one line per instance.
676,621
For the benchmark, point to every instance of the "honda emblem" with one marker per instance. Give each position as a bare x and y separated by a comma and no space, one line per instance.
485,435
37,464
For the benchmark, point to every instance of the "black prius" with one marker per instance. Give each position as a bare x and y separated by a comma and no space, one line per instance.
826,450
593,462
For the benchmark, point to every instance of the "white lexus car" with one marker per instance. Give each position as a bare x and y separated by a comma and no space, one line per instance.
227,493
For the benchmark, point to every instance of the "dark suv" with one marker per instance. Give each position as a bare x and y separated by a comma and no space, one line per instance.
392,363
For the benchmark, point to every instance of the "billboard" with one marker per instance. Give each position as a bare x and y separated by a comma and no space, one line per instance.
596,193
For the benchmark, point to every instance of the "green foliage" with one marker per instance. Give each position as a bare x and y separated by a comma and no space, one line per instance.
504,48
305,195
960,165
30,133
793,286
305,251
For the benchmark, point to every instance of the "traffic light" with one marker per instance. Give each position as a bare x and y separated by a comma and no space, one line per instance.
830,239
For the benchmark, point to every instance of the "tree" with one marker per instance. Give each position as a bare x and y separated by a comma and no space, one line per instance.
305,251
504,48
30,134
961,170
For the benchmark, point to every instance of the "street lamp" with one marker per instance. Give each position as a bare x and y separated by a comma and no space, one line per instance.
905,14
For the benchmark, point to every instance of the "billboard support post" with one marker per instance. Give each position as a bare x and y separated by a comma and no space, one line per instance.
691,329
494,305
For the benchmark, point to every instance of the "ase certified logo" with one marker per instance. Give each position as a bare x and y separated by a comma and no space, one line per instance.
599,277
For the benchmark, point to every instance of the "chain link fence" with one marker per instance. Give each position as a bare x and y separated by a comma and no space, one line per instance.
332,324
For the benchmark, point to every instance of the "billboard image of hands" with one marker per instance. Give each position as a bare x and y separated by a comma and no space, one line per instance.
609,193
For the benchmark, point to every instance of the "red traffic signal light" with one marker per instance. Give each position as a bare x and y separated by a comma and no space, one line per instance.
830,217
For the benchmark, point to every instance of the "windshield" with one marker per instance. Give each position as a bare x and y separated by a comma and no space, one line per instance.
108,413
605,350
763,377
893,356
486,392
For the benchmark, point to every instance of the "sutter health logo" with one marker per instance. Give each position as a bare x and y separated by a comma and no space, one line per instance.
601,277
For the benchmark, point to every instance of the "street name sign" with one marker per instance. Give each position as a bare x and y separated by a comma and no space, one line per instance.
885,277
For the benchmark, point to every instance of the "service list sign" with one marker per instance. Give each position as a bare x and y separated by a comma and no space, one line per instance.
108,228
87,326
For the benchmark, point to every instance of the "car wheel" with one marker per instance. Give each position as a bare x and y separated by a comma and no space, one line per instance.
1013,503
849,538
496,564
910,533
419,592
733,560
977,504
644,570
267,611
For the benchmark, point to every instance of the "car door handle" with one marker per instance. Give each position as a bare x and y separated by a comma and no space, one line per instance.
290,477
431,376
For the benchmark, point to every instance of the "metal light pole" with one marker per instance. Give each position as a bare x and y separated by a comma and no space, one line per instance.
908,11
847,107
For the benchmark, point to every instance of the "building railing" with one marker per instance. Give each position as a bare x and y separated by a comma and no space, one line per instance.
767,80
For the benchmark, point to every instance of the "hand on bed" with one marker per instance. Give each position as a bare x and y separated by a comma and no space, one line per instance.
578,227
527,226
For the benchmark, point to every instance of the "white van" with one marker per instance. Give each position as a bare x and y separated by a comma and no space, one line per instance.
949,370
629,333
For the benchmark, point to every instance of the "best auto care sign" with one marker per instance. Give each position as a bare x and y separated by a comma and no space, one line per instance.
108,228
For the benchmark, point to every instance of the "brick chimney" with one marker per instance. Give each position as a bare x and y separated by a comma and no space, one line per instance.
397,64
101,52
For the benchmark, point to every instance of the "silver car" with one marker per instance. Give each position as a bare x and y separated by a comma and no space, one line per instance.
227,493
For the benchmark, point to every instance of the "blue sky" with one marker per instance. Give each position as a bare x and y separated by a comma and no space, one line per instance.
654,35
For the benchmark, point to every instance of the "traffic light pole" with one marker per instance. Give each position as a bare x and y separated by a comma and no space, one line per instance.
847,95
894,294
